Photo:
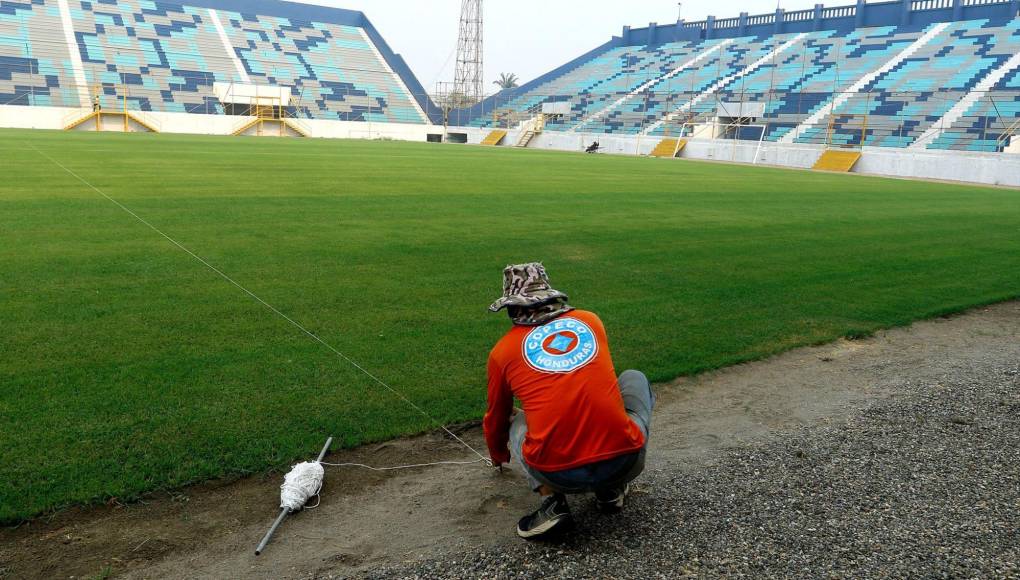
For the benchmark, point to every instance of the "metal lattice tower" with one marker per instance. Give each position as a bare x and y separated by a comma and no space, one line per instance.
470,76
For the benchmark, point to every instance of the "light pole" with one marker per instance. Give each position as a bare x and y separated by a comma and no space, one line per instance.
676,42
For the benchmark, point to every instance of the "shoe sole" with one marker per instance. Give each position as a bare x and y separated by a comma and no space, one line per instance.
610,508
546,528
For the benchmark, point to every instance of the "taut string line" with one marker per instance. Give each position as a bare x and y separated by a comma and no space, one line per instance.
268,306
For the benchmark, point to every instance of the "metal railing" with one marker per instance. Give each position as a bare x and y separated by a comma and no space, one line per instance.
1007,135
99,106
992,119
912,111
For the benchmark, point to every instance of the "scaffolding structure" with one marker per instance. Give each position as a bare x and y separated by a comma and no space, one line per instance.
469,79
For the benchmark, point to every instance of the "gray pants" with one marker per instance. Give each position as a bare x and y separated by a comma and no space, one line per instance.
639,401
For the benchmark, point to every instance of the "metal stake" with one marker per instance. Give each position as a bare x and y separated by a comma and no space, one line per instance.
284,512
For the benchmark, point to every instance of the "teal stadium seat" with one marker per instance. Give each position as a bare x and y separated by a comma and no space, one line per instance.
899,105
166,56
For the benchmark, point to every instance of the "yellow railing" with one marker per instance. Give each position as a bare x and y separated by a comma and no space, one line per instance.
1010,132
298,125
293,120
834,119
687,123
121,110
76,117
271,110
147,120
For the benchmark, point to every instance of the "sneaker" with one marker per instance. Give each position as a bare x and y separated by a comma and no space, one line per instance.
553,516
612,501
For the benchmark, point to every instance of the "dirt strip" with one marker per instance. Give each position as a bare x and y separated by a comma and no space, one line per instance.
367,520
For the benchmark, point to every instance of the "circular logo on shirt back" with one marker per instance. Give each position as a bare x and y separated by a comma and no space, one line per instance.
562,346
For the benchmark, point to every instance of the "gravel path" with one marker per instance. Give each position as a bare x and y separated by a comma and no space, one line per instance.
925,484
893,456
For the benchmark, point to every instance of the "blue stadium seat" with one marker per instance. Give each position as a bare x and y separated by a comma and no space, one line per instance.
616,92
167,56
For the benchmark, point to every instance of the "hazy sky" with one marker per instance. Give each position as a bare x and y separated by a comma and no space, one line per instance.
529,37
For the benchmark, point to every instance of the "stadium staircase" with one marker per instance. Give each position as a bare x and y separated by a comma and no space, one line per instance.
124,121
526,138
494,138
531,129
278,127
669,148
1006,139
272,121
838,161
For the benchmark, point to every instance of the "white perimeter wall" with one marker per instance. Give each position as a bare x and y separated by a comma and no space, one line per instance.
983,168
21,117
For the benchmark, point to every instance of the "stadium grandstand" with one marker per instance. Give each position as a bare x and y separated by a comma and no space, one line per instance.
761,317
914,75
937,74
278,58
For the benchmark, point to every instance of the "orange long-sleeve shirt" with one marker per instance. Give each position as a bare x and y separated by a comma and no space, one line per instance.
563,375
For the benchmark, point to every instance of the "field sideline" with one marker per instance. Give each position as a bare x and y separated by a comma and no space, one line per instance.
127,367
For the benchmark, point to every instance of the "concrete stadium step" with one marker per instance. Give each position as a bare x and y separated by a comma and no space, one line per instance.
77,122
526,138
668,148
863,82
724,82
297,127
838,161
272,127
965,104
644,87
494,138
123,121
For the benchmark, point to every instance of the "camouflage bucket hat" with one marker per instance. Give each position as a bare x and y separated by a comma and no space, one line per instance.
526,285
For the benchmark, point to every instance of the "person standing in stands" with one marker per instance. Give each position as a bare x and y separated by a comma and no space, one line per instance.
96,105
582,430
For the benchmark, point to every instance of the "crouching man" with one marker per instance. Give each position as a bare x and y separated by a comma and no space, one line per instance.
582,430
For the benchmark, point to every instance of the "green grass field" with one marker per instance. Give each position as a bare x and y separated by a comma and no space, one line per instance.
127,367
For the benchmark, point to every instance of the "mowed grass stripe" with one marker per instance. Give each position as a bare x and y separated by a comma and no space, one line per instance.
127,367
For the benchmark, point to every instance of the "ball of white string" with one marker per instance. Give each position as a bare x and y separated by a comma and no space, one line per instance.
302,484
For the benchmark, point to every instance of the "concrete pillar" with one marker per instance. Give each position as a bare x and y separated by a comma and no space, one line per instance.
859,16
678,32
957,9
626,36
780,16
710,28
742,29
904,12
818,17
653,27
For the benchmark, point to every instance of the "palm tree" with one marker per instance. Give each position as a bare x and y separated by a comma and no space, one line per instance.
507,81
